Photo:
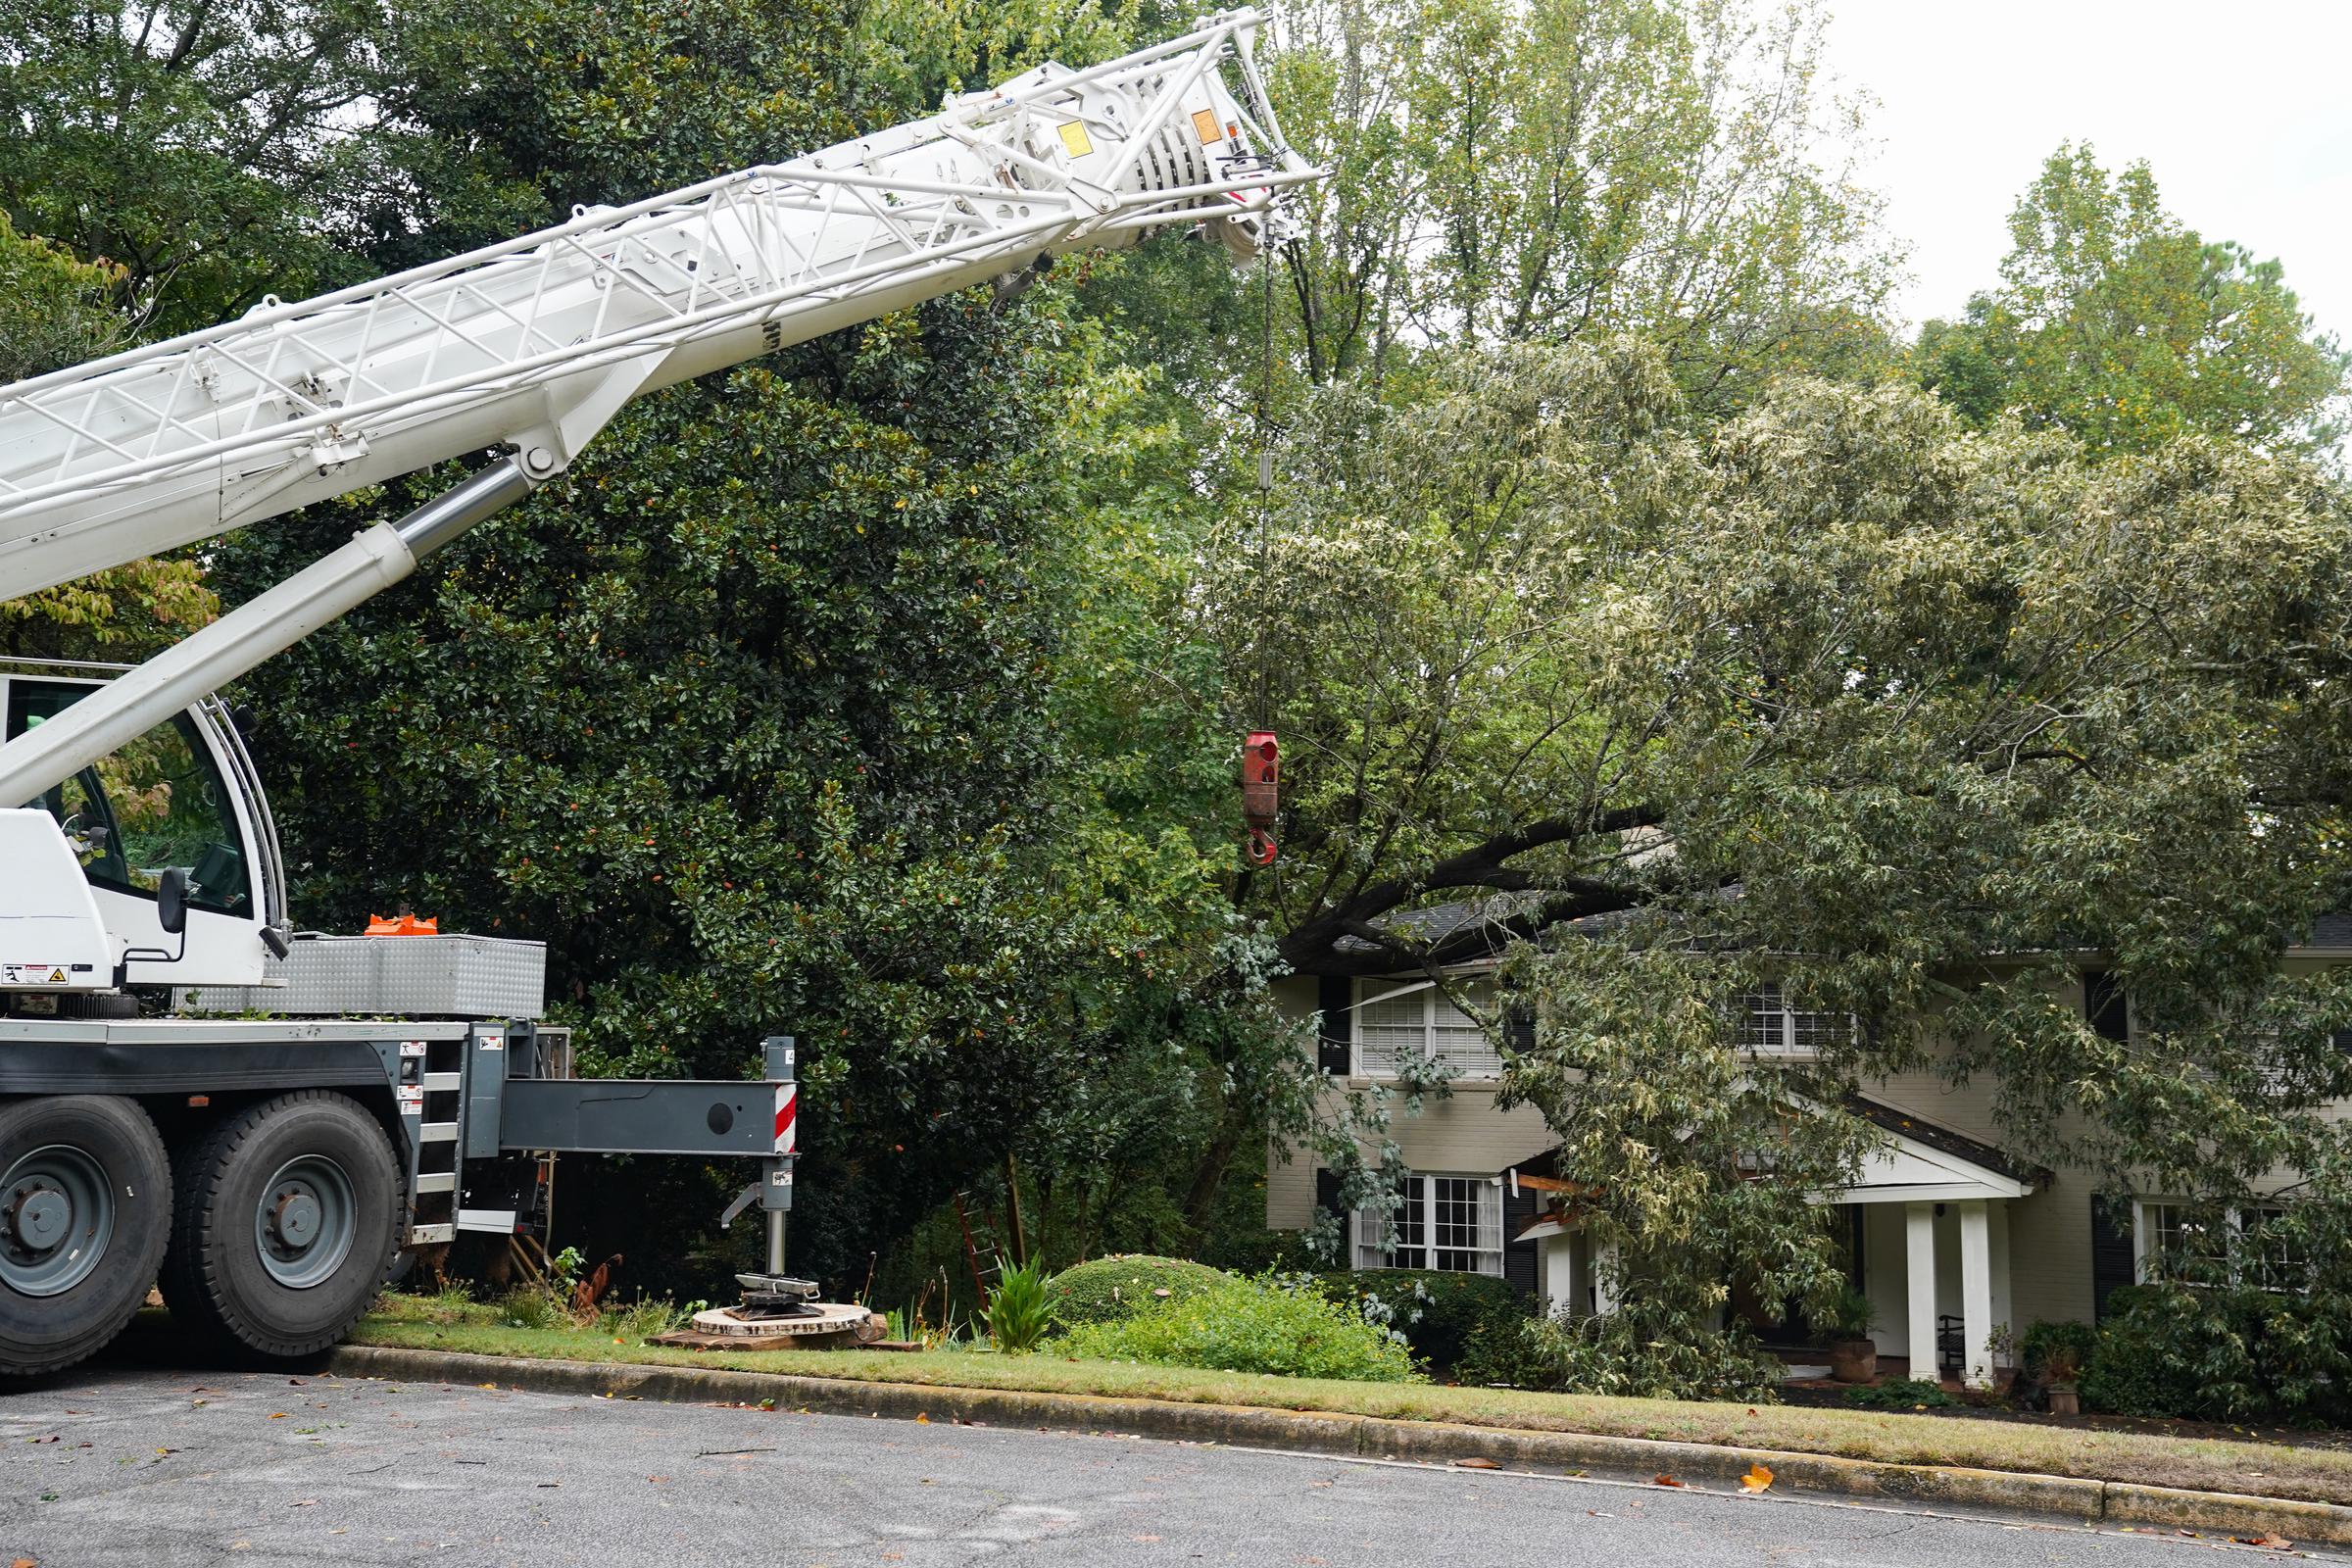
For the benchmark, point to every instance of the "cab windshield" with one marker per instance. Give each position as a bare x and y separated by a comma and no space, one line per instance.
156,802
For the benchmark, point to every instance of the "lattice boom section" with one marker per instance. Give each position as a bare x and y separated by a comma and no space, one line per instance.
537,341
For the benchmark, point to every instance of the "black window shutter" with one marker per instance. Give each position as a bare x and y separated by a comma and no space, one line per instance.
1518,1256
2105,1009
1327,1192
2111,1262
1336,997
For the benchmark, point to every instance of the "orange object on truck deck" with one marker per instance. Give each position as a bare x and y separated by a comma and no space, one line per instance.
403,925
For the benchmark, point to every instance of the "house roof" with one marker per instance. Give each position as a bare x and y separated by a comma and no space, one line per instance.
1459,930
1469,930
1944,1140
1896,1121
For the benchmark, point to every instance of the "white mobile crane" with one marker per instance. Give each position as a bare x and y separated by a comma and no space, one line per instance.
270,1169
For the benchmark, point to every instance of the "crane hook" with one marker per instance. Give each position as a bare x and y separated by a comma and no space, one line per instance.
1262,773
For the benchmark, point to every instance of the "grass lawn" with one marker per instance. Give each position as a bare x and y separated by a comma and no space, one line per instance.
2249,1466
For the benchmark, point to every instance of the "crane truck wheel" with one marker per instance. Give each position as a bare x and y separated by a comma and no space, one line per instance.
287,1215
85,1207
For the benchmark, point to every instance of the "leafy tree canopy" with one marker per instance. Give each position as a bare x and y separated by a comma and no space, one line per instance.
2117,323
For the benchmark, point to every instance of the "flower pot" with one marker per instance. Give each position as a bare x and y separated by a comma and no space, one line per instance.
2064,1400
1854,1360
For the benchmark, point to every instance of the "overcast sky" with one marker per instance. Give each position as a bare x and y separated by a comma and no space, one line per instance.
2240,107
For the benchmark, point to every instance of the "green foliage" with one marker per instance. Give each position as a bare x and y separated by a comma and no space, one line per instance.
207,151
1563,172
1106,1290
1254,1325
56,311
2057,1352
640,1320
1940,720
1438,1311
1637,1351
2116,322
564,1271
1021,1309
2223,1354
1900,1394
528,1307
1850,1313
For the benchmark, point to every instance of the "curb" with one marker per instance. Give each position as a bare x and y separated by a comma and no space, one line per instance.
2084,1501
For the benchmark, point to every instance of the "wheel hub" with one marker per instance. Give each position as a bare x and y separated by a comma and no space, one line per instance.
57,1212
40,1217
295,1219
306,1221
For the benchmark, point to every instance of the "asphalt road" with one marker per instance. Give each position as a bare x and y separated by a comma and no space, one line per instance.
134,1467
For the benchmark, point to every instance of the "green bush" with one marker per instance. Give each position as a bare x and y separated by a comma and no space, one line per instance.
1436,1312
1254,1325
1108,1289
2217,1354
1020,1311
1900,1394
1626,1354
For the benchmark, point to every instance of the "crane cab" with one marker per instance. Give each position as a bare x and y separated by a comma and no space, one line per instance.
183,797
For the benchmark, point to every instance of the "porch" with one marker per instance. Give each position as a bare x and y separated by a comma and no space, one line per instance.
1929,1222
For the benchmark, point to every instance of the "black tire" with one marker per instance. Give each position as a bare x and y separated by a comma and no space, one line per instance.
227,1275
71,1305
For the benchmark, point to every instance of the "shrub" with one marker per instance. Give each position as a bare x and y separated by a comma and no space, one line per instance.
1436,1312
1020,1312
1622,1353
1254,1325
2218,1354
2059,1352
1109,1289
1900,1394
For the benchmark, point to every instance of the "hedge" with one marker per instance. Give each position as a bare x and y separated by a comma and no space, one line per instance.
1106,1290
1436,1311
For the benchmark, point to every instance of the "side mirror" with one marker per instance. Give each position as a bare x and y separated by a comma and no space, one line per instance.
172,901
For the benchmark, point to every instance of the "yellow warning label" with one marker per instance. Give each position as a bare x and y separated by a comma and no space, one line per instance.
56,977
1075,139
1205,124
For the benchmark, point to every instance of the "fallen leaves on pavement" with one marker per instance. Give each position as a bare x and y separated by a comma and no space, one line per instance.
1757,1479
1662,1479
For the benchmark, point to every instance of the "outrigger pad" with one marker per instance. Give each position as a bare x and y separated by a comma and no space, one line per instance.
772,1295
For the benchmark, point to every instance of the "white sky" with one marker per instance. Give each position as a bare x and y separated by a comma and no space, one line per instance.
2240,108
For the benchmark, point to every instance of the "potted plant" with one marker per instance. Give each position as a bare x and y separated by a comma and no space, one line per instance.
2062,1366
1853,1353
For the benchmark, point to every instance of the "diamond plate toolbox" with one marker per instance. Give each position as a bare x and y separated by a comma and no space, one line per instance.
432,976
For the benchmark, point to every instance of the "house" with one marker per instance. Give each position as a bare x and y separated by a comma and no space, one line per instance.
1959,1246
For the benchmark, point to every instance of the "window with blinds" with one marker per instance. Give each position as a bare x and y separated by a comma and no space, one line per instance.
1453,1223
1769,1027
1392,1021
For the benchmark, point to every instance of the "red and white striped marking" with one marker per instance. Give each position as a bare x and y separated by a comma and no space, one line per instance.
788,1097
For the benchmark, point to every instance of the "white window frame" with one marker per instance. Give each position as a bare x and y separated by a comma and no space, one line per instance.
1366,1227
1431,996
1769,1001
2146,1255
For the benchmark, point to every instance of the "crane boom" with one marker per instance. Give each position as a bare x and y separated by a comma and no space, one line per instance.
533,344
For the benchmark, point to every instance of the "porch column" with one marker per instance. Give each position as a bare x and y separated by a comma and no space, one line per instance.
1975,1294
1919,1288
1604,1278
